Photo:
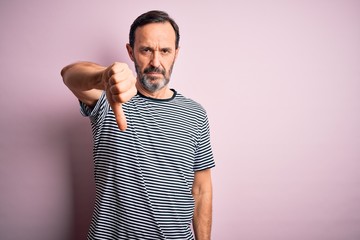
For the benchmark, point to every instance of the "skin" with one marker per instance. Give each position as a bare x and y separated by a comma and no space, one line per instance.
153,54
202,193
154,48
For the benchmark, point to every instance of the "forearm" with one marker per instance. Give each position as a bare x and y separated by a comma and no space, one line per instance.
84,79
203,216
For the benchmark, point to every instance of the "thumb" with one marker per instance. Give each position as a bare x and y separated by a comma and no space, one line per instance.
118,111
119,115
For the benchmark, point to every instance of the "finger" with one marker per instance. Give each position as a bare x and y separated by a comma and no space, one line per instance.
117,68
120,76
119,116
120,87
123,97
118,112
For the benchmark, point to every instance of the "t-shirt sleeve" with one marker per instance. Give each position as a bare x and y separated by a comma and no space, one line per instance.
204,157
97,113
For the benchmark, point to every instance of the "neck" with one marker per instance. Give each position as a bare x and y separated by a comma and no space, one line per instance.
163,93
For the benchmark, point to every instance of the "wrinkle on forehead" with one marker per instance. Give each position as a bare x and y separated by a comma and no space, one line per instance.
156,36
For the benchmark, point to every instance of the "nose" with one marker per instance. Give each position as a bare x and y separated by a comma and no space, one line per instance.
155,61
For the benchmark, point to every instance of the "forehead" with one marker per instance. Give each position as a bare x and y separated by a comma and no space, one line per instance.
155,34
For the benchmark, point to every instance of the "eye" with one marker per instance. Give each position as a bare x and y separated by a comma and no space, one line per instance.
165,51
145,50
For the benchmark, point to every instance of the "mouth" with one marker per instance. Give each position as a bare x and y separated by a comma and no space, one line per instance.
154,73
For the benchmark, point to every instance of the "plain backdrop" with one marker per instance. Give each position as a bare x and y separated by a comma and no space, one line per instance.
280,81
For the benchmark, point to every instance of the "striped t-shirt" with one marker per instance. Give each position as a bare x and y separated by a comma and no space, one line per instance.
144,175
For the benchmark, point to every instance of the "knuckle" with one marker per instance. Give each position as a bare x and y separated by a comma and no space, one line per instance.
111,72
123,98
117,98
120,66
115,89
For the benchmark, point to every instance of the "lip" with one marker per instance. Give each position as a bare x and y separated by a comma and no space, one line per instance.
153,73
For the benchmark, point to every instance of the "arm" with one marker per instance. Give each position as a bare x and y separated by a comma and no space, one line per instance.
87,81
202,192
84,79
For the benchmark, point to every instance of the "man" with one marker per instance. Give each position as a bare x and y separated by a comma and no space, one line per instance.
152,152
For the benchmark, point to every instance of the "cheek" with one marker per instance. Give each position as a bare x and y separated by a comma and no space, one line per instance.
142,60
140,65
169,65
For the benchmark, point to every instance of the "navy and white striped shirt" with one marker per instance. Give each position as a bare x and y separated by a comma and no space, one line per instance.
144,175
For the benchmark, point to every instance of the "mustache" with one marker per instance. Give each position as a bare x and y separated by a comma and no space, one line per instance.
154,69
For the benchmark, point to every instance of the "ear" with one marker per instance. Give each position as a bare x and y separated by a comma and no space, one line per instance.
177,52
130,51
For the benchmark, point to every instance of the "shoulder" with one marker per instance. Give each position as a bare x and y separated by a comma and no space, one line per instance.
189,104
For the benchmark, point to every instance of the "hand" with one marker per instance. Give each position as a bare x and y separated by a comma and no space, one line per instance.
120,87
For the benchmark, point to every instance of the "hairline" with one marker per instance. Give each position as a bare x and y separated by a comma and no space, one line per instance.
164,22
153,17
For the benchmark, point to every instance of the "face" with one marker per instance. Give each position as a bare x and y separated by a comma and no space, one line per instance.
154,55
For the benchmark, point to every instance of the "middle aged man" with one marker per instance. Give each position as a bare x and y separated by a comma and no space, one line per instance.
152,152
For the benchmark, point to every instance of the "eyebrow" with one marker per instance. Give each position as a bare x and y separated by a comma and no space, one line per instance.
167,49
152,49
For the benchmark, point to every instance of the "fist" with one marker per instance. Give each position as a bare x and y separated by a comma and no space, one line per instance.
119,82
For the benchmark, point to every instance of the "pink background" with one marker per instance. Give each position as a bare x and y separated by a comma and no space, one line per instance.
280,81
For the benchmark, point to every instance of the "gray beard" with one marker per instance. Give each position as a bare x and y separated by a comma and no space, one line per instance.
153,84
